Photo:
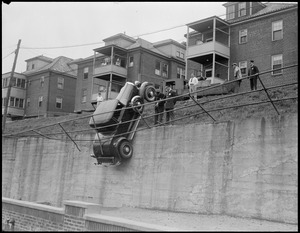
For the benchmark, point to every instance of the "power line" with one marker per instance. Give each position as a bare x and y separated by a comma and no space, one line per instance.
8,55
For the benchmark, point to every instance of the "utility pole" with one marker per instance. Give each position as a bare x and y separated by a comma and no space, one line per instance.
9,87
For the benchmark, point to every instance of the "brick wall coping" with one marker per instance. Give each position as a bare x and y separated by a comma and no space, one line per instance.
90,208
122,222
33,205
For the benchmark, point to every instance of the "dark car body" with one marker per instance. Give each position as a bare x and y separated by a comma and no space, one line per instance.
115,122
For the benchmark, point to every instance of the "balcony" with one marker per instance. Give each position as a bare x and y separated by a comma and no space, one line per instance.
110,68
207,48
13,111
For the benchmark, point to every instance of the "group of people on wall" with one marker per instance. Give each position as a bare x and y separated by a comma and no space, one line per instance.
252,75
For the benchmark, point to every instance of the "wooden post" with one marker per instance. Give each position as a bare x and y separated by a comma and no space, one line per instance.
9,87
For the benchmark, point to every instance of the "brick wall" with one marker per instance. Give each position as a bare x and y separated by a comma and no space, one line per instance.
261,48
75,216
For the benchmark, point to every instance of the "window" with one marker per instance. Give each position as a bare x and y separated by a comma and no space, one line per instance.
14,82
23,83
230,12
12,102
29,82
242,9
32,66
277,33
277,63
18,82
243,36
83,96
58,102
165,70
42,81
177,54
28,102
4,101
130,61
182,55
208,73
180,73
21,104
85,72
60,83
157,68
40,101
243,67
4,82
17,101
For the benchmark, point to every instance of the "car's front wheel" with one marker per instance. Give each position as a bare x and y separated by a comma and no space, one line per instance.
147,91
137,103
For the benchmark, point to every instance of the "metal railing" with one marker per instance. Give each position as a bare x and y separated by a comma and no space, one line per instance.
203,105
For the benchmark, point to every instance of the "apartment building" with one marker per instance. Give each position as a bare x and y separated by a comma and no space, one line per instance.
125,59
51,85
264,32
16,102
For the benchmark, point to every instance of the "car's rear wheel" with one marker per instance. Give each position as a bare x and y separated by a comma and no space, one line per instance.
125,149
147,91
137,103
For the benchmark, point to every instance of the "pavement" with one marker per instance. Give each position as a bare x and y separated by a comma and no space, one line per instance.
196,222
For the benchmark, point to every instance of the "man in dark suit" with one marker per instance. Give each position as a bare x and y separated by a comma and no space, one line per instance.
159,107
170,103
253,75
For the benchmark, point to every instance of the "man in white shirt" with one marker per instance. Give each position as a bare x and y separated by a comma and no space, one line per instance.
192,84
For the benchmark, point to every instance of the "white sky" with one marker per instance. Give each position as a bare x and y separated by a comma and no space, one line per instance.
58,24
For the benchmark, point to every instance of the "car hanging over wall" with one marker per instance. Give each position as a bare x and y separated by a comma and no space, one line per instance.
116,121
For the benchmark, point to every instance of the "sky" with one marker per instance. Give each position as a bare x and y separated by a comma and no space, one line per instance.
74,29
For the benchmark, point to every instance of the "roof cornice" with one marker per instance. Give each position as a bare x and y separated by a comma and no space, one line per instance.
255,17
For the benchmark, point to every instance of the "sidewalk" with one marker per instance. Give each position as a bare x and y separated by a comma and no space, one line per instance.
196,222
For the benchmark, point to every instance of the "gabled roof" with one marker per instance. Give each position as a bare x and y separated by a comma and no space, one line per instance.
145,44
120,35
41,57
270,8
60,64
168,41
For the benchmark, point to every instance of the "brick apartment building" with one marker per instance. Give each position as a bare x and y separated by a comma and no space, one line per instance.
125,59
266,33
51,85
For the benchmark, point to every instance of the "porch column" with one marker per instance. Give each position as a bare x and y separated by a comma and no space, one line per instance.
214,55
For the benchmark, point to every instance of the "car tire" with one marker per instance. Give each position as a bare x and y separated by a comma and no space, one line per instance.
125,149
137,103
147,91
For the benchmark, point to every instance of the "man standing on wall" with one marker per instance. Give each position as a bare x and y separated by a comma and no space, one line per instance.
192,85
170,103
237,75
159,107
253,75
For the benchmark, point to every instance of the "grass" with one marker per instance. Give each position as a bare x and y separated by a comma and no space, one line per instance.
187,109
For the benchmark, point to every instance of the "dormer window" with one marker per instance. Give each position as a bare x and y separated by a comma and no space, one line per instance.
242,9
231,12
